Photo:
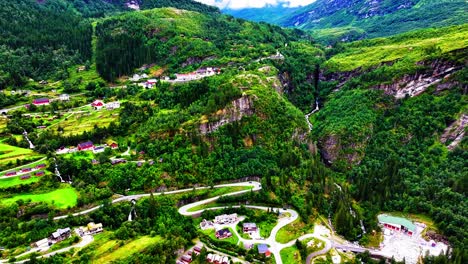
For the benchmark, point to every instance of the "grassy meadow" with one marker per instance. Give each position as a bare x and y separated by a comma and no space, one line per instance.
414,46
60,198
11,154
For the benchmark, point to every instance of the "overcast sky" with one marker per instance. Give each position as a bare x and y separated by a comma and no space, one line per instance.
238,4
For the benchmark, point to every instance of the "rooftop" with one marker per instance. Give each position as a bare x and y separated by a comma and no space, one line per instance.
262,248
397,221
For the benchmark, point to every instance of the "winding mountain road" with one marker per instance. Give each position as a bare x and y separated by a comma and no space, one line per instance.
274,246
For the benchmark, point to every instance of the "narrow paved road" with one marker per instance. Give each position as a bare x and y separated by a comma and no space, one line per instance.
19,167
255,185
83,243
274,246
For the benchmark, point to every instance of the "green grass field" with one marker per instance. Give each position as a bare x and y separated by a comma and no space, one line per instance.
293,231
60,198
411,46
113,250
13,181
11,154
80,122
291,255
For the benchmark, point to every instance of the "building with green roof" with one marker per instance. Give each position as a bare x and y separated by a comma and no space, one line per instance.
397,224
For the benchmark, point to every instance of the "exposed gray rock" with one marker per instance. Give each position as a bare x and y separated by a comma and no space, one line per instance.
415,84
455,133
234,112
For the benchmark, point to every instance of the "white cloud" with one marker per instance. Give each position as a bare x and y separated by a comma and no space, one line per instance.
239,4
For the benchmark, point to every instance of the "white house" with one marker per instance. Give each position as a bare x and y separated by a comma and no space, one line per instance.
64,97
113,105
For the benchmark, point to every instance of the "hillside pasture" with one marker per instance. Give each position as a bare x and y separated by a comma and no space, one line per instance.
60,198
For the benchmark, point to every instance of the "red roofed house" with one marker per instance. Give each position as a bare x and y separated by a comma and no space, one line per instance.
10,173
98,104
39,174
24,177
114,146
186,258
40,166
41,101
26,169
197,250
86,146
223,233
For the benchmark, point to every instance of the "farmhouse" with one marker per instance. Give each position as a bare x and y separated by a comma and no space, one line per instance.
86,146
24,177
197,249
41,101
40,166
41,243
186,258
223,233
26,169
113,105
64,97
206,224
97,105
60,234
397,224
225,219
114,146
263,249
99,149
118,161
93,228
249,227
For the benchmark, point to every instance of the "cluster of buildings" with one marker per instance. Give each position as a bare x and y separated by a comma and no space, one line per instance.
187,258
29,171
179,77
217,259
47,101
98,105
87,146
55,237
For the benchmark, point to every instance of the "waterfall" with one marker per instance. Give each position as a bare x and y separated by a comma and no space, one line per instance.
317,108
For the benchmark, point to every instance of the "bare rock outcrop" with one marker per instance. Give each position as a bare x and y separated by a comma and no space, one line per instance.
454,134
234,112
415,84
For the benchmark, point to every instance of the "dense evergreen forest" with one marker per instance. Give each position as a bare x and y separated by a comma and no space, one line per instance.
367,150
43,42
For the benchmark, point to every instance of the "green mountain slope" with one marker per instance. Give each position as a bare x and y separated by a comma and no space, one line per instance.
44,39
374,18
130,40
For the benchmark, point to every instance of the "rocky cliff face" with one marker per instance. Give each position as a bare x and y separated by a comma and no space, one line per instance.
333,149
415,84
454,134
436,72
234,112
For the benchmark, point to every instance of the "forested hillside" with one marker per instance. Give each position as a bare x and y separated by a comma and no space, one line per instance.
43,42
191,39
342,20
337,133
